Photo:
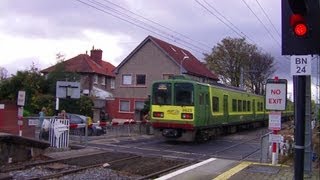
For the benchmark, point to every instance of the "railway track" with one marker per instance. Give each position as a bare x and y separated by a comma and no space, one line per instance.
108,165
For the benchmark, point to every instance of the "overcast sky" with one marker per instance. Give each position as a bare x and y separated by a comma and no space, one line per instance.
34,31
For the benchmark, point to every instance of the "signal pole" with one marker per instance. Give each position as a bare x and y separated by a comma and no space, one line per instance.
299,84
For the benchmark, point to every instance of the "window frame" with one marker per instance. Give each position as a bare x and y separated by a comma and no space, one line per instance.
95,79
120,102
112,84
135,104
145,79
125,82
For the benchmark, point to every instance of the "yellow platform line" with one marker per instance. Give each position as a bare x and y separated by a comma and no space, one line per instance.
233,171
239,167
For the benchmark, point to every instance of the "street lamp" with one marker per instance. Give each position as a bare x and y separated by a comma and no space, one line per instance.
185,57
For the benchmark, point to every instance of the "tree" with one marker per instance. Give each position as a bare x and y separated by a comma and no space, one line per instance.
31,81
234,58
3,73
260,68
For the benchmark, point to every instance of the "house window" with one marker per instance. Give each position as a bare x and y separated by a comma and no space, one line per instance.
126,79
124,106
138,105
112,84
95,79
103,80
141,79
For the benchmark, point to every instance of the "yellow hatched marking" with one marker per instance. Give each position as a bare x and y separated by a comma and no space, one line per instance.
233,171
239,167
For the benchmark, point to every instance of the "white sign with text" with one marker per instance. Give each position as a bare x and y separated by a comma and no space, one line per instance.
301,65
276,94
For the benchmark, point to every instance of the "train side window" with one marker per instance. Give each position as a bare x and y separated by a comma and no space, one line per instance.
244,105
215,104
239,105
249,108
234,105
259,106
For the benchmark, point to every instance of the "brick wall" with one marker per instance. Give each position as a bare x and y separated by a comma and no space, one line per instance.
9,121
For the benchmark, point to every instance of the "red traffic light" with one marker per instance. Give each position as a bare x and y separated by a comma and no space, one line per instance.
298,25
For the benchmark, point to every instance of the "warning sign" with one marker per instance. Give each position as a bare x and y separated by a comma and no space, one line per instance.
275,120
276,94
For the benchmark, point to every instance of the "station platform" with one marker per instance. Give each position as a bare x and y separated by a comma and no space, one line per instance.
220,169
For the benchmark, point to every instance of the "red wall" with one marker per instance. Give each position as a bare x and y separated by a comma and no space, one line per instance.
112,108
9,121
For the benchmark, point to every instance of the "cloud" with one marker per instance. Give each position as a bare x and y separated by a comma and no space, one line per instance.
42,52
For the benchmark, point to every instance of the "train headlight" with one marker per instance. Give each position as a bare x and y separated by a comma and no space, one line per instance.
186,116
158,114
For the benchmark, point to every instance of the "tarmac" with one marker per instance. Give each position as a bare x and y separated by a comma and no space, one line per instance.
220,169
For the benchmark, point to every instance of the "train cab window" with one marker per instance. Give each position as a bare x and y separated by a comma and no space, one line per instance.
234,105
248,106
184,94
239,105
161,94
215,104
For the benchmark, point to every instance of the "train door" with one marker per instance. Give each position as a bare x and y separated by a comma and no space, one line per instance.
225,107
204,103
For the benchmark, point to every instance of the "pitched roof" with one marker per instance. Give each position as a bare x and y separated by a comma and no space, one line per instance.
84,64
192,65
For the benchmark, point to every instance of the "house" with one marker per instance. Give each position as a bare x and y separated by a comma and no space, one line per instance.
153,59
96,77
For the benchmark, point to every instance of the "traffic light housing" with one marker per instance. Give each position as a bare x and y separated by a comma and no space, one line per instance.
300,27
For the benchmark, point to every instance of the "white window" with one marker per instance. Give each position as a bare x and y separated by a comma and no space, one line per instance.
112,84
138,105
103,80
126,79
124,106
95,79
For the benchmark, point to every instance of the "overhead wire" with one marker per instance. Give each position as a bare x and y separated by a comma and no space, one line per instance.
235,27
158,24
264,12
236,32
265,27
101,7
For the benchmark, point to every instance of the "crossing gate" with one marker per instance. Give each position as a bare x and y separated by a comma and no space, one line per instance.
59,133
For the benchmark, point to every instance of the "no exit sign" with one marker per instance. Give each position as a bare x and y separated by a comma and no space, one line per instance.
276,94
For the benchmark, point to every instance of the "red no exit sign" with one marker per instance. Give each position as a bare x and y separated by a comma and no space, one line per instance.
276,94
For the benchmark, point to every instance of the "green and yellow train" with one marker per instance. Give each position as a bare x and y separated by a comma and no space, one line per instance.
186,110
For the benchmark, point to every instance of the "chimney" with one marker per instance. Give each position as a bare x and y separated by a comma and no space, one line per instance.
96,55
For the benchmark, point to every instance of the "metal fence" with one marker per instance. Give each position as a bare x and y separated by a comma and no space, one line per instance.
82,133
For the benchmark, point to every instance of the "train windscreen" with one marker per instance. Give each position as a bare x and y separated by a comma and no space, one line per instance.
184,94
161,94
